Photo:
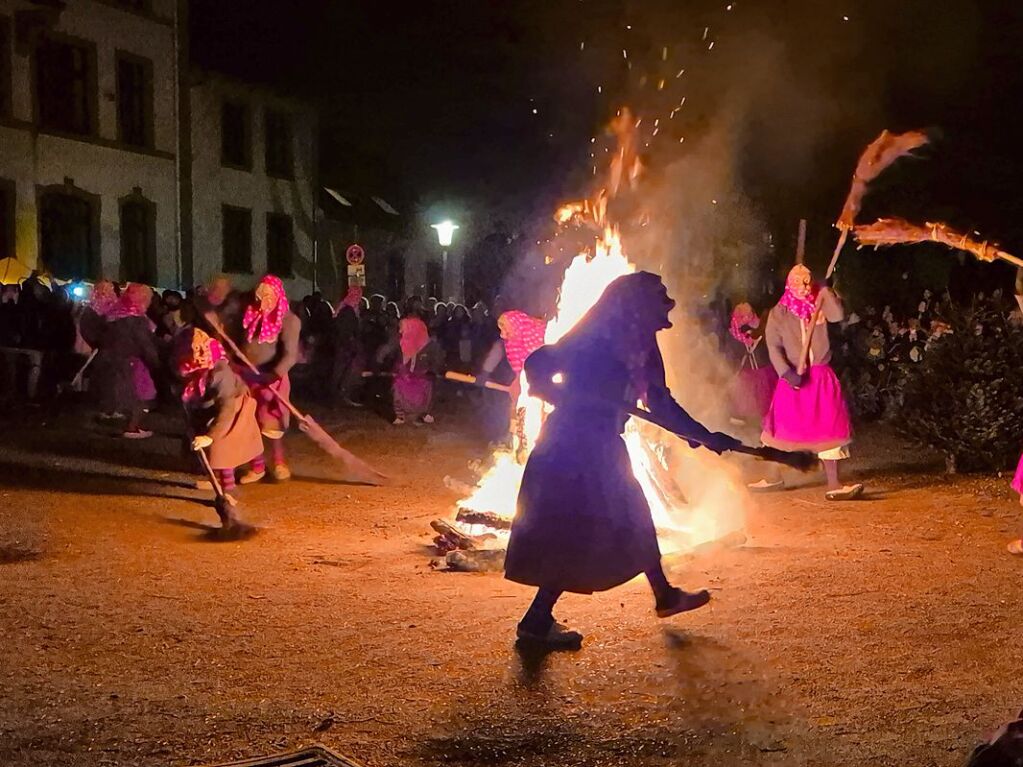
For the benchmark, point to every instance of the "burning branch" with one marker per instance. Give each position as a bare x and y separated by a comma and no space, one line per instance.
876,158
896,231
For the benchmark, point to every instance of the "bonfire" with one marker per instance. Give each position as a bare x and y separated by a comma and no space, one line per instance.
662,463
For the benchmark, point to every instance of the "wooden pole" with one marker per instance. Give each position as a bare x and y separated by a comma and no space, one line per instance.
801,242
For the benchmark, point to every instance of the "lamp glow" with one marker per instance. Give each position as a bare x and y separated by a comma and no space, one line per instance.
445,232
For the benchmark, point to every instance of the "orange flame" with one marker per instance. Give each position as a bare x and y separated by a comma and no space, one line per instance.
585,279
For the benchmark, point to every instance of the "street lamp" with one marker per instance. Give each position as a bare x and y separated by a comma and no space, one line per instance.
445,235
445,232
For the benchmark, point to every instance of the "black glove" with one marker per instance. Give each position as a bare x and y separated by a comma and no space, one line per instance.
793,379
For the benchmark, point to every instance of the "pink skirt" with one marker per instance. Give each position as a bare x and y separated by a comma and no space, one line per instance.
1017,481
752,392
145,389
812,417
413,393
271,415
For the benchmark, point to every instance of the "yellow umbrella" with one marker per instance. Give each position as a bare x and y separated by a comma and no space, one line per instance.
13,272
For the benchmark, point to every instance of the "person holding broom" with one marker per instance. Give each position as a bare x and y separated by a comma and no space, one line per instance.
808,411
270,340
583,523
221,414
521,335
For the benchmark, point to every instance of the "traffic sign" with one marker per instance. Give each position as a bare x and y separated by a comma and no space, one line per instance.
355,255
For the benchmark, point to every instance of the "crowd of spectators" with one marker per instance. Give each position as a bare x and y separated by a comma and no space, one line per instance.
348,348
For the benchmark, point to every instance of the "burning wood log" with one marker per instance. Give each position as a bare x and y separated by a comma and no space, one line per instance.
484,561
450,538
484,518
896,231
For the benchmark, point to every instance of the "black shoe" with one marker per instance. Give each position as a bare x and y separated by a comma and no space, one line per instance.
680,601
557,637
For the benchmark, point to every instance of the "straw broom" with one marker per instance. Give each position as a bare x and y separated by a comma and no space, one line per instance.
357,469
876,158
896,231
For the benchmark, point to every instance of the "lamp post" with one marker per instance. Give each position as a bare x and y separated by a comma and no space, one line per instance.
445,235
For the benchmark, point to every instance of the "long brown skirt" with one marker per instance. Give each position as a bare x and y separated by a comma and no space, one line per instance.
583,524
243,442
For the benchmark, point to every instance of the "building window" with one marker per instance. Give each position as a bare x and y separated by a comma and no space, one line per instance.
235,136
279,160
138,241
280,244
396,274
237,239
134,101
68,234
65,86
5,67
7,229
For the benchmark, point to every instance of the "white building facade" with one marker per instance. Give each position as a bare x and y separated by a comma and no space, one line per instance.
88,138
117,161
253,178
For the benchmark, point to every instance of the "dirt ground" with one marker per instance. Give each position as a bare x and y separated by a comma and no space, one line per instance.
881,632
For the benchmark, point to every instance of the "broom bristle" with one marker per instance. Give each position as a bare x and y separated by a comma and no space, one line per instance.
897,231
882,153
357,469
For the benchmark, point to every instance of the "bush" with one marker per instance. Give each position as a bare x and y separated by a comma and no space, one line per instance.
966,397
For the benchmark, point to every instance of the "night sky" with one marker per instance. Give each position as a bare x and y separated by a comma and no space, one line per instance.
436,100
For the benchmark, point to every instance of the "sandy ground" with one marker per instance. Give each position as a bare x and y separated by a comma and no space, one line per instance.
882,632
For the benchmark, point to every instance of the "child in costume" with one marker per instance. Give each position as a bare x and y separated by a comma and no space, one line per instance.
221,411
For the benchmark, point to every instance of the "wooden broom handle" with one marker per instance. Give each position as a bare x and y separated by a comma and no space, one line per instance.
463,378
214,479
804,355
248,363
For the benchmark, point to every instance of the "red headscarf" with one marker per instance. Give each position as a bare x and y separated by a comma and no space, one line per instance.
103,299
799,306
522,336
743,316
134,302
352,298
266,324
413,337
196,361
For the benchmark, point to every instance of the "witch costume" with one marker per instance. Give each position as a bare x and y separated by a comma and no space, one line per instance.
126,353
219,406
413,371
754,384
808,410
521,335
271,333
583,523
